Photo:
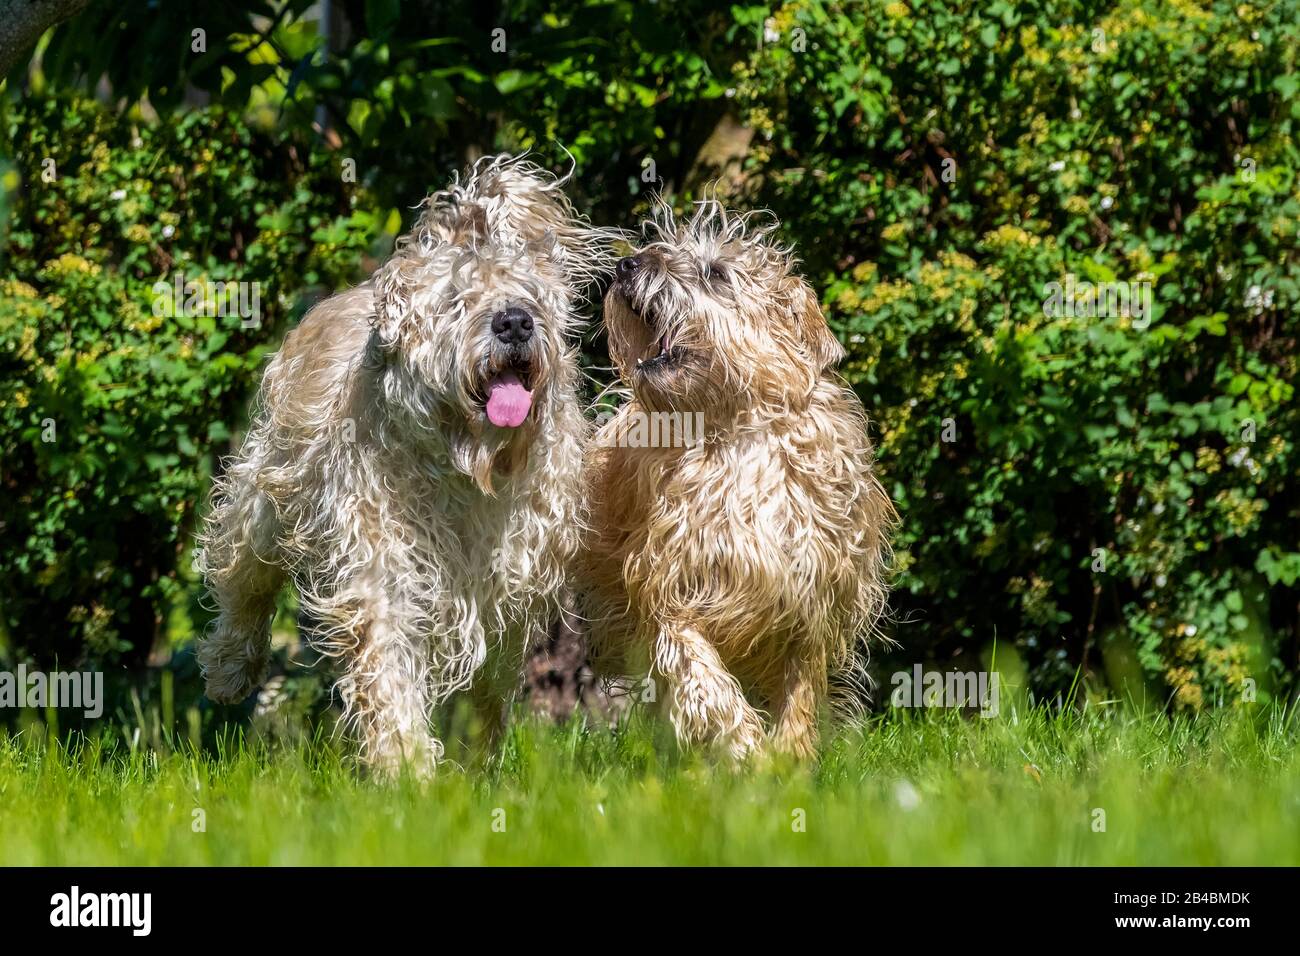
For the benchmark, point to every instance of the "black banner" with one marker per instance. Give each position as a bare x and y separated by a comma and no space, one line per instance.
336,907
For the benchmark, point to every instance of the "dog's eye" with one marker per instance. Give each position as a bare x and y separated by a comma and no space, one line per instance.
716,271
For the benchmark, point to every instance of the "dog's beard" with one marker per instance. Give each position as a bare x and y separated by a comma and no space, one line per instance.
510,398
483,456
483,413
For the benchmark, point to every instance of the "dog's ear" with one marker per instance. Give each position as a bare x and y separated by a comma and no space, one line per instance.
815,335
394,283
583,252
523,202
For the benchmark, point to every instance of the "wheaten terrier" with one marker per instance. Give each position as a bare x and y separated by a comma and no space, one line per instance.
745,566
413,466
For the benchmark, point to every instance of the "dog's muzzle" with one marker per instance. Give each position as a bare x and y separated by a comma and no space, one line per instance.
626,272
512,326
627,268
509,395
663,352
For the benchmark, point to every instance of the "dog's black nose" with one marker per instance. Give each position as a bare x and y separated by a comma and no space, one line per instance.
627,266
512,327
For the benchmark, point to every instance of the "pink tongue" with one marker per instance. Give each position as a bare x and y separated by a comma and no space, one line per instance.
508,402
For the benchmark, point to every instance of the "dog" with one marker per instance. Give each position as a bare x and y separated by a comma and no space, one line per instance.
748,566
413,465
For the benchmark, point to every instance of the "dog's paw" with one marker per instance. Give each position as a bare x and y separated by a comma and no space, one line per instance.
746,741
229,680
419,761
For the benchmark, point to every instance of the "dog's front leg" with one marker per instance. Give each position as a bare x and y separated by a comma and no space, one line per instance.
795,732
243,575
705,702
387,692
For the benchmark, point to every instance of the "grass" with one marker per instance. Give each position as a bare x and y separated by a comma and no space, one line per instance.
905,789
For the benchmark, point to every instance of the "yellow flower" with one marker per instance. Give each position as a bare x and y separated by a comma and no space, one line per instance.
71,262
19,289
1207,459
1189,697
887,292
848,299
931,275
1244,49
26,345
864,271
1009,235
147,322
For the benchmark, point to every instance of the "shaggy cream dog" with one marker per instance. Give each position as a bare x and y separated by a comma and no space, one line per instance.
747,563
413,466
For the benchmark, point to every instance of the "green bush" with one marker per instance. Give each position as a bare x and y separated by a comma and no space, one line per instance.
1132,141
110,413
1107,496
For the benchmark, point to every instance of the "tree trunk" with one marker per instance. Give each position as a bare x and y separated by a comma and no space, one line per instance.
23,21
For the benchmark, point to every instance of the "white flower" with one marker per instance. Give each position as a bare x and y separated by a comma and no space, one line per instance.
1057,166
1107,202
117,194
168,231
906,795
1258,298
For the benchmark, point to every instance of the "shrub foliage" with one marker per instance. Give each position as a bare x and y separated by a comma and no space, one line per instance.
1105,494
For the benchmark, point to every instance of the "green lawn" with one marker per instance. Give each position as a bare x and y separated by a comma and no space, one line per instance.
1223,788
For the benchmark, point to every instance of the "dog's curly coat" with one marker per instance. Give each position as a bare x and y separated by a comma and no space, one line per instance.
749,564
425,534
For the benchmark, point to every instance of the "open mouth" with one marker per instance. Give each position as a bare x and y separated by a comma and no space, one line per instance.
509,396
663,354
